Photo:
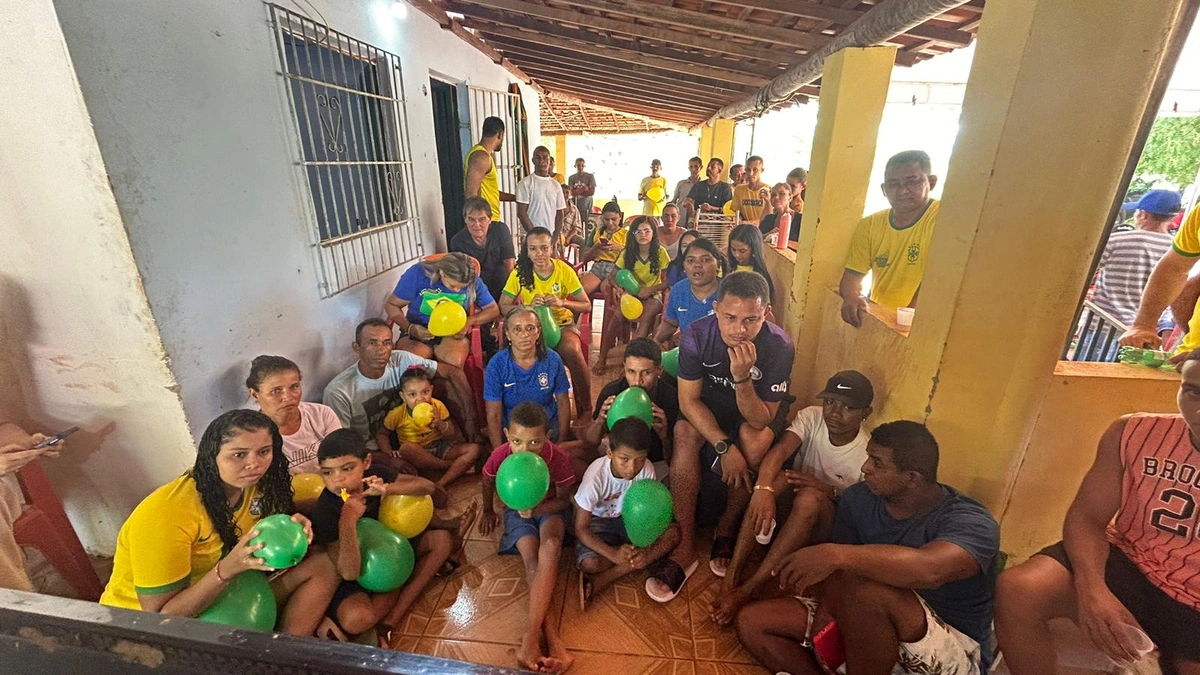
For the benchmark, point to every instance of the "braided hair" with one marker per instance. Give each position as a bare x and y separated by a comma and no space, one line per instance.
275,487
524,262
631,251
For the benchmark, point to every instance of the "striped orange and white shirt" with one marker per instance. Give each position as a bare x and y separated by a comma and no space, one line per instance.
1158,524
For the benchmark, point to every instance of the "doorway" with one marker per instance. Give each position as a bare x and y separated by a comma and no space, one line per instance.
450,153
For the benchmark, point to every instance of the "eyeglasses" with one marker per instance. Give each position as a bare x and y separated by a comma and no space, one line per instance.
907,183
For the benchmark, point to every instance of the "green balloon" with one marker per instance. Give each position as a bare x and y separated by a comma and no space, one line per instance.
283,539
551,331
670,362
646,511
387,558
626,280
247,602
523,480
633,402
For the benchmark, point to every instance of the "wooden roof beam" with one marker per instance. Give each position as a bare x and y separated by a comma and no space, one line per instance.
569,67
524,51
603,90
664,36
590,43
715,24
568,99
955,37
639,106
447,23
551,75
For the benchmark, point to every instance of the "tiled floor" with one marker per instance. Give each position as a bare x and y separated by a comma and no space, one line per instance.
479,614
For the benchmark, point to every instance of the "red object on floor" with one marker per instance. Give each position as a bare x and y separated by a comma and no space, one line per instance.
474,369
44,526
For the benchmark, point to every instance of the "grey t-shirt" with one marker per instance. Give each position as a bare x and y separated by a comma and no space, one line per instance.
584,204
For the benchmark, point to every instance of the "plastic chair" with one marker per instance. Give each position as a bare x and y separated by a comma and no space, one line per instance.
45,526
473,368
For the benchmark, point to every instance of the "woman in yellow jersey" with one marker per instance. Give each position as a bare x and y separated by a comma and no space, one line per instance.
608,241
652,205
185,542
541,279
746,253
648,261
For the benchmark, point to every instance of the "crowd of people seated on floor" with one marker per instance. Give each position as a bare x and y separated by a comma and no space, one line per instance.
836,543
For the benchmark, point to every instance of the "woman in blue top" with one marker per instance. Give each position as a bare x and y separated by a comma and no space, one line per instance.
526,371
453,277
675,273
692,297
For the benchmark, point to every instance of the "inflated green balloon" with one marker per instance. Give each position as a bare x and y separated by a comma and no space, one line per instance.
551,331
626,280
387,558
670,362
283,539
522,480
646,511
633,402
247,602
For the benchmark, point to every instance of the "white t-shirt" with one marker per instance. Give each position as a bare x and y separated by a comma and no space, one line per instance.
361,403
544,197
840,466
601,492
316,422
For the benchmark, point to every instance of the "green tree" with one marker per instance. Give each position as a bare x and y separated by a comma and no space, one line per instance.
1172,151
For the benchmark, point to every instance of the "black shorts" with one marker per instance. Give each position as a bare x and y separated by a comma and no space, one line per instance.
344,591
1172,625
732,425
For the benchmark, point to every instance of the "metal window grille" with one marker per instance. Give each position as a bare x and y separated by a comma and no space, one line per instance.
1096,337
510,168
348,101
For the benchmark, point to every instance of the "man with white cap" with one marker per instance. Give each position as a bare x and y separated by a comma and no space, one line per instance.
824,450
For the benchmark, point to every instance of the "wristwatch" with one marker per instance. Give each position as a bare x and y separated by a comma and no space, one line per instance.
722,446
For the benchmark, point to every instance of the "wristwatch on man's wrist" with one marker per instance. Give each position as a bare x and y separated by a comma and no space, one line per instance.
722,446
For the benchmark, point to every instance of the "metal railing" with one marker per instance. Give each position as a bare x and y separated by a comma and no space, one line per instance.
1096,336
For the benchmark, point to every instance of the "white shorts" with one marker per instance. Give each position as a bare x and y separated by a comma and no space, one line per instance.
943,651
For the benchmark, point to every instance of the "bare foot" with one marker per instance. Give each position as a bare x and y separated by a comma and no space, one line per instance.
529,654
560,660
725,606
466,521
440,497
601,365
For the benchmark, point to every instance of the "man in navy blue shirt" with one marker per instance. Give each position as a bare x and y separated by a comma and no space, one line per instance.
909,576
734,372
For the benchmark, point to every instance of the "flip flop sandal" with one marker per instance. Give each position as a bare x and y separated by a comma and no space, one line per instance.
673,576
722,549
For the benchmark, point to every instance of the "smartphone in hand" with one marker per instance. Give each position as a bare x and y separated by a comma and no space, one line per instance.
55,439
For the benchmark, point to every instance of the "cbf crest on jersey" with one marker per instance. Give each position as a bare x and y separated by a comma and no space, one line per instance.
544,380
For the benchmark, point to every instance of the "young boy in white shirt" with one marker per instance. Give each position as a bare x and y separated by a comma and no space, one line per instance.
827,446
603,550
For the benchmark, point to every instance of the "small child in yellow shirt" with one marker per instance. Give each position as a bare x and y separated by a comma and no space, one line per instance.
421,432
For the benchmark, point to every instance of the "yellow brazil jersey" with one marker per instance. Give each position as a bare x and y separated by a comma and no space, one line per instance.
744,268
617,238
400,420
649,206
641,268
168,543
563,283
489,189
749,202
895,257
1187,243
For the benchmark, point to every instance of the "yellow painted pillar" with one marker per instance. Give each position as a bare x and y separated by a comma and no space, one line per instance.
853,94
1055,98
560,156
716,140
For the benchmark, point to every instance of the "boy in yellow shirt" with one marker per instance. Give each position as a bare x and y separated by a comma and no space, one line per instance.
421,432
893,244
752,199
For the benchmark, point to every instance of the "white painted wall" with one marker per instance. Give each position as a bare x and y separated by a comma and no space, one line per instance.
194,125
78,344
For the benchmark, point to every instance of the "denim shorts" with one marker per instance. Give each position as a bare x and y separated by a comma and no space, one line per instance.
610,531
517,528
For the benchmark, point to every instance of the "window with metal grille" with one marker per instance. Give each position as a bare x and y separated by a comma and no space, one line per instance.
348,101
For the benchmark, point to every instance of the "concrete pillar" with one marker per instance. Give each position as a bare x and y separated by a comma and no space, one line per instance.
560,156
1055,99
853,94
716,140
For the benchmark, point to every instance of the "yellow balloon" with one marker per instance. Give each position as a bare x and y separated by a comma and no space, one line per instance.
406,515
306,487
422,414
631,306
727,209
447,318
655,194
